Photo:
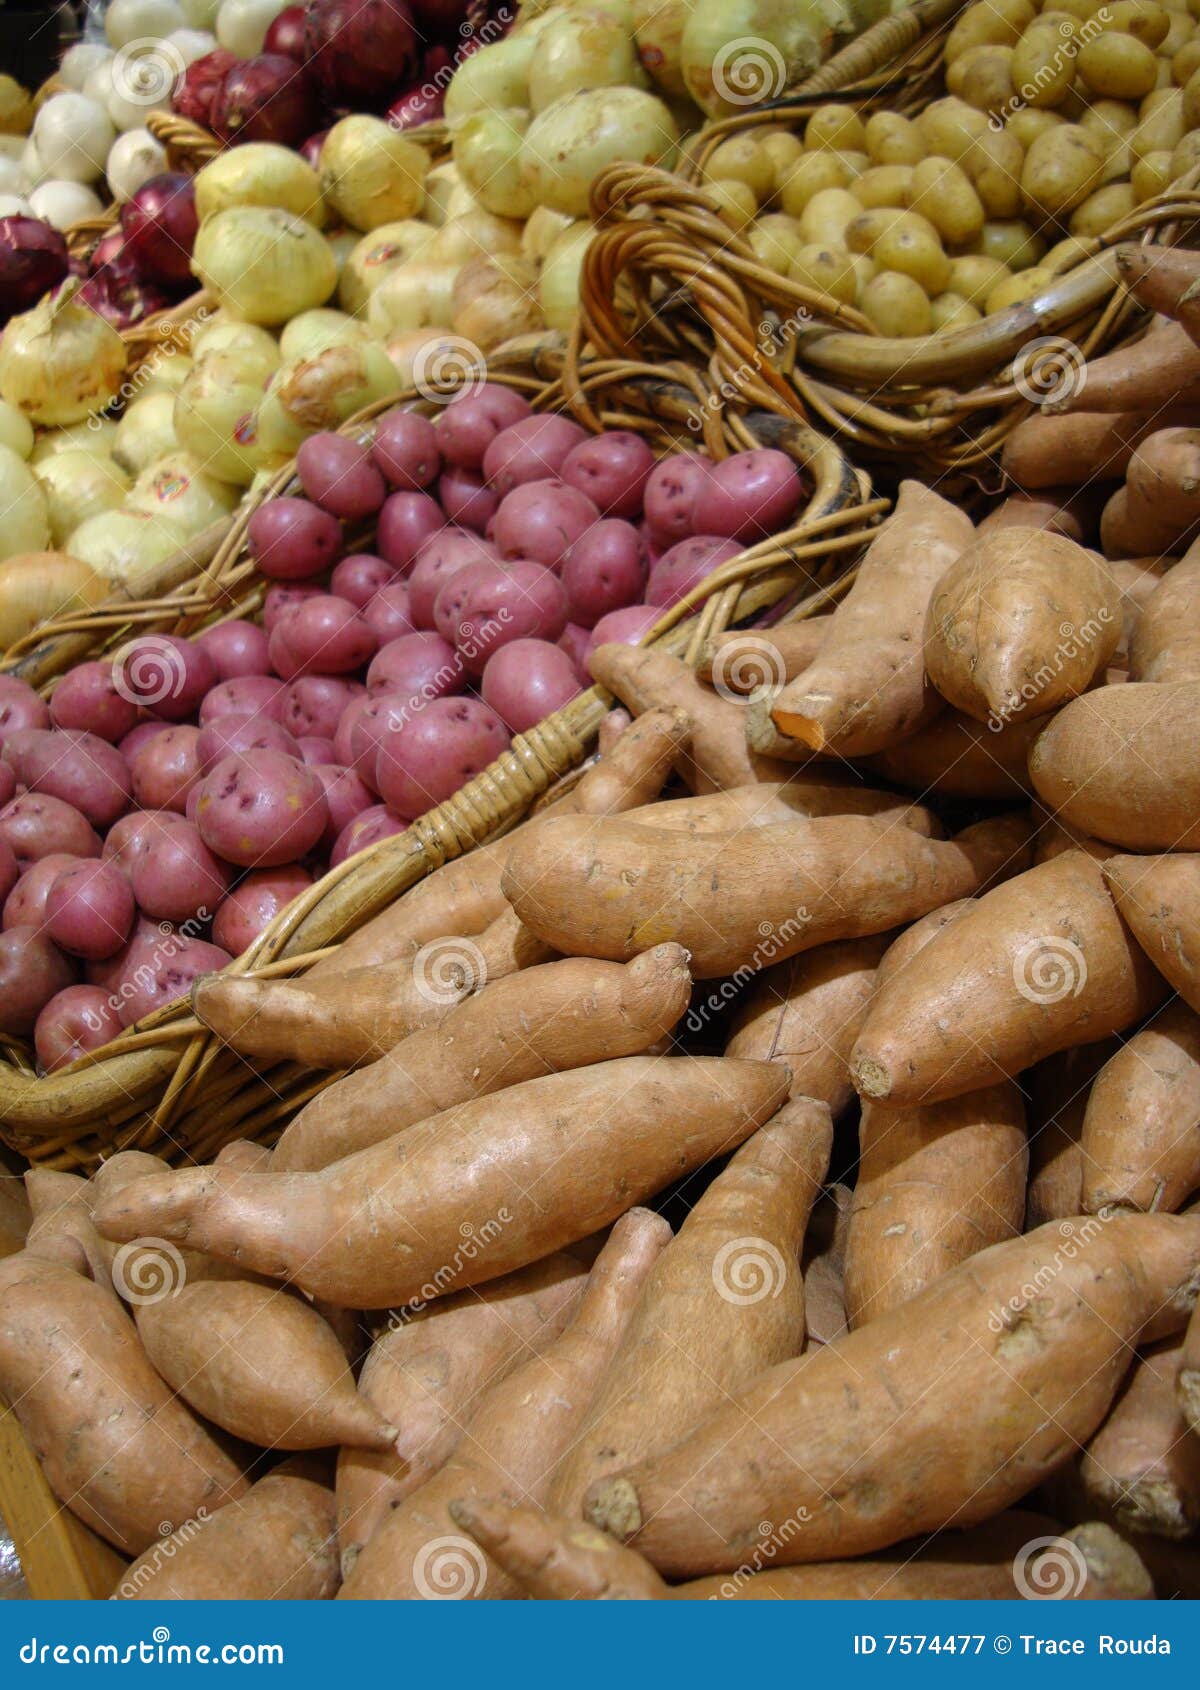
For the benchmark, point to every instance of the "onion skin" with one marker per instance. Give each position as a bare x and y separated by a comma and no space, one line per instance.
34,586
159,224
33,259
360,50
199,85
287,35
267,98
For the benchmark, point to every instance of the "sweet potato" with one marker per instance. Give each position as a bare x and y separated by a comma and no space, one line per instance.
1143,1464
1120,763
723,1301
557,1016
1166,642
425,1373
1054,838
1045,451
346,1020
116,1446
1188,1384
611,729
804,797
514,1439
1164,475
1139,377
1041,963
1159,898
1163,279
1023,621
637,767
1058,1093
244,1155
937,1182
644,679
60,1205
614,888
824,1265
255,1359
1056,511
276,1543
866,1441
1141,1130
867,688
1130,526
806,1013
528,1170
961,758
554,1558
744,660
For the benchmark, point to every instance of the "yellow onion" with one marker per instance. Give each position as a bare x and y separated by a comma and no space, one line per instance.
735,53
228,335
495,299
264,265
216,416
371,174
376,255
16,431
145,432
34,586
542,230
78,485
445,195
125,546
419,295
176,487
419,350
558,281
60,362
162,375
312,331
475,234
495,77
488,149
263,174
583,48
321,392
658,27
25,523
97,435
341,243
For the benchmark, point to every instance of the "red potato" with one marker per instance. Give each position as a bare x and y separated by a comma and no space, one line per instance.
236,648
25,904
386,713
467,499
8,784
166,674
86,697
469,423
281,601
255,902
418,665
89,909
407,451
20,707
347,721
261,810
313,704
160,970
541,520
627,626
364,831
166,768
345,798
37,825
389,612
360,576
603,570
574,641
486,605
612,469
526,681
292,540
174,875
32,970
405,523
76,1020
439,747
339,474
227,735
449,550
530,450
323,636
748,497
9,872
77,767
684,565
669,495
261,696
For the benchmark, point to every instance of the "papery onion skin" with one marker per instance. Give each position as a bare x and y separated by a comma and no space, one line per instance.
199,85
266,266
60,362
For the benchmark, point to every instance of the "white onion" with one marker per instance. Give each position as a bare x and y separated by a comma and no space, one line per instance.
494,79
73,135
227,336
260,173
193,44
62,203
79,485
12,146
558,283
125,546
541,231
60,361
15,205
95,435
177,488
163,375
572,141
98,84
216,416
200,14
322,391
80,60
133,159
376,255
371,174
488,149
134,20
476,234
16,431
26,525
582,48
145,433
242,24
264,265
440,187
13,179
495,299
416,296
341,243
312,331
31,164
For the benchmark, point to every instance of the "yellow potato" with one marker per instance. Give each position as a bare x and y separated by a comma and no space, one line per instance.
947,127
742,159
783,150
1152,174
1066,255
828,269
1145,20
1186,155
1161,123
826,215
864,272
1190,100
1110,121
1101,210
1028,124
1061,169
839,127
1016,290
776,240
1181,30
942,191
950,311
884,185
983,78
974,275
896,305
892,139
994,163
914,252
811,174
1043,61
1081,9
864,230
1118,67
1011,242
1186,61
735,202
855,162
986,22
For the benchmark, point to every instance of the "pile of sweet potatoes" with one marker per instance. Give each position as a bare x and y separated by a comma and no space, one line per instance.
764,1172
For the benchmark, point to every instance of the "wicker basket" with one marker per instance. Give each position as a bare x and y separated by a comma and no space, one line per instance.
167,1084
680,280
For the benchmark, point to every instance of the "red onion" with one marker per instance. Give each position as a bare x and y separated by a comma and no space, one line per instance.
421,104
360,49
268,98
33,259
110,250
122,296
310,151
198,86
440,17
159,224
286,35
